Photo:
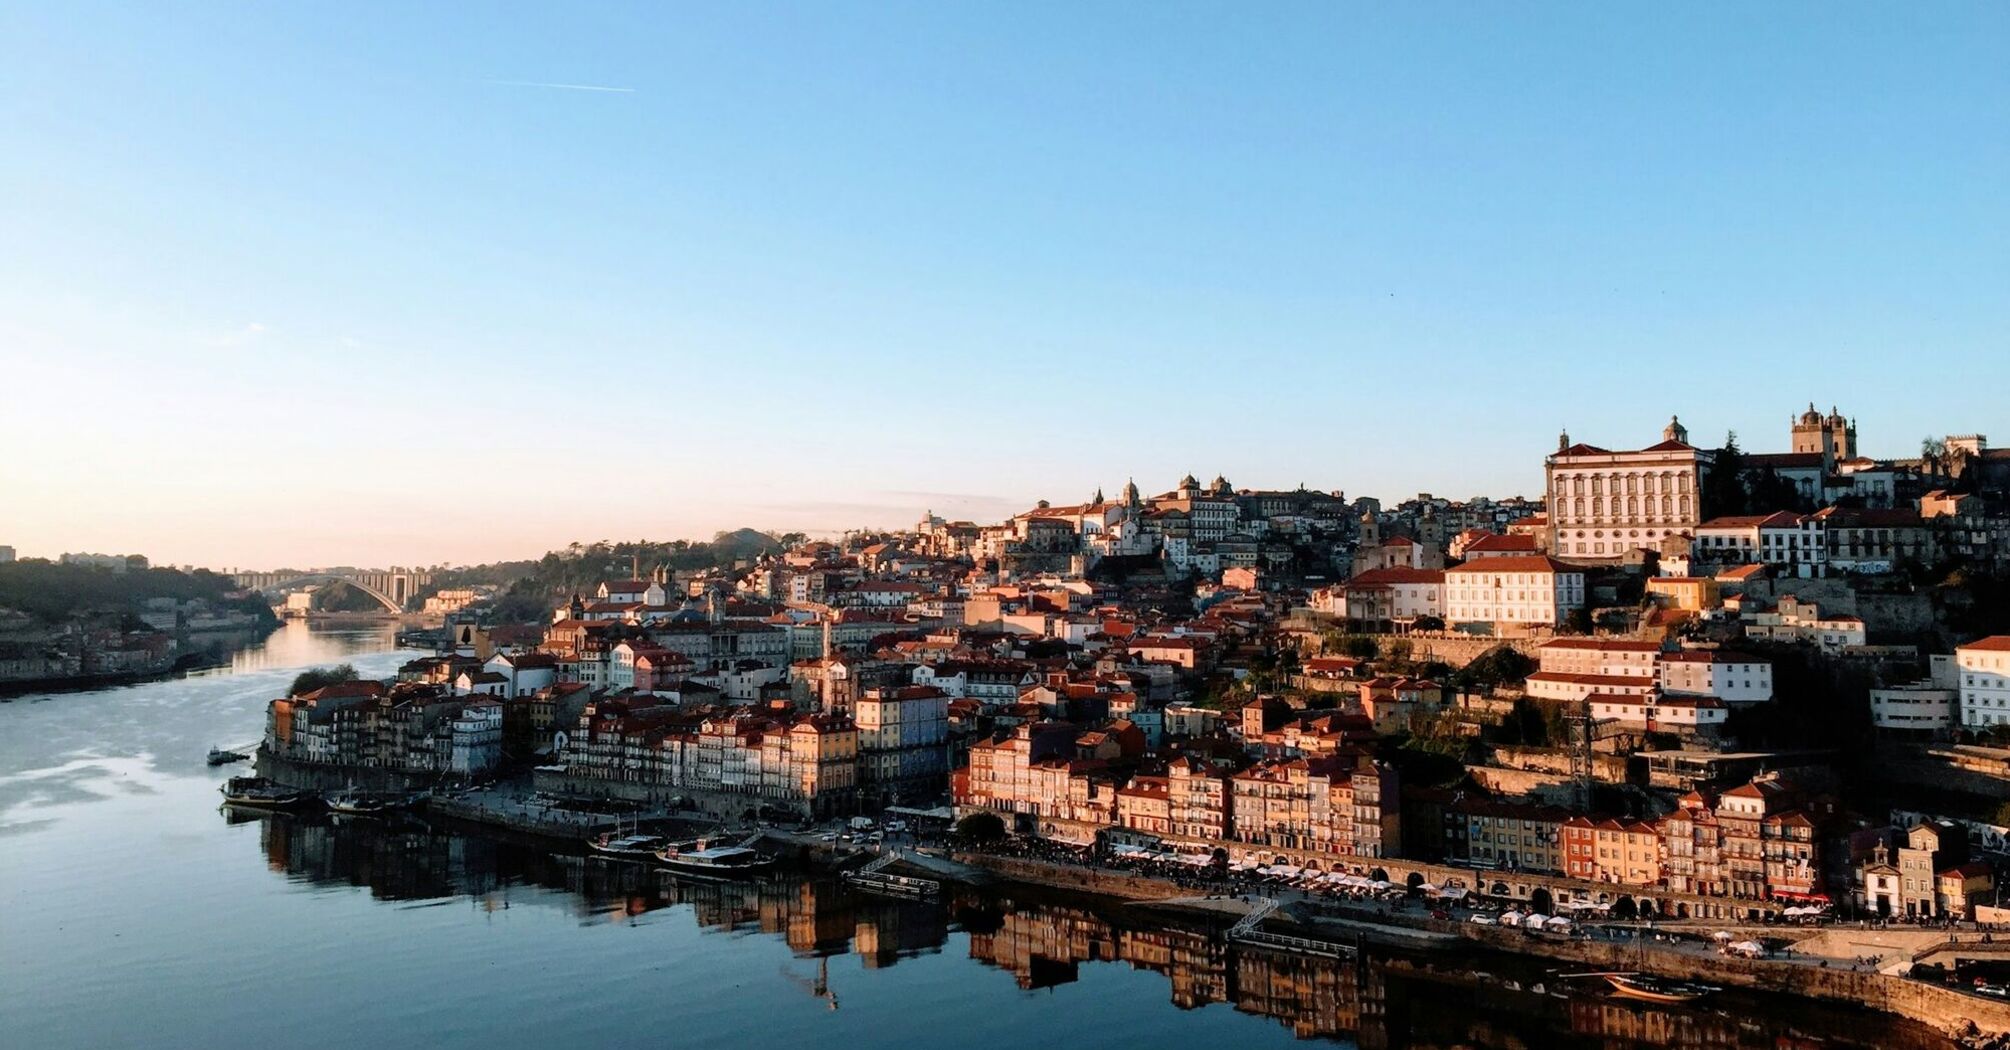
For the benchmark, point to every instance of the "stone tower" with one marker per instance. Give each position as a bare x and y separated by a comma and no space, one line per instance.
1832,436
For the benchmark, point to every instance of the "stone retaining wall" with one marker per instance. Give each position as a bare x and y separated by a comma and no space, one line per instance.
316,776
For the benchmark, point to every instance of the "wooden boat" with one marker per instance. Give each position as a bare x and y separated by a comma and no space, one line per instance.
353,803
627,847
261,793
1654,989
717,862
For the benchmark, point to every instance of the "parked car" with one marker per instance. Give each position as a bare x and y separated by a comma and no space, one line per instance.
1481,918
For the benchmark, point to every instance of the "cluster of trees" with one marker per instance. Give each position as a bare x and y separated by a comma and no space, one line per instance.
1732,486
1534,723
1502,665
52,592
1818,703
316,677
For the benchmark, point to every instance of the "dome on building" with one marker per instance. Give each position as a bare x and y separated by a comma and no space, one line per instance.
1811,417
1675,431
1189,482
1130,493
1219,486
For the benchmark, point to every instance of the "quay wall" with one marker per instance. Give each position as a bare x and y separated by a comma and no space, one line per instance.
1931,1004
1516,885
572,827
1942,1008
319,776
723,805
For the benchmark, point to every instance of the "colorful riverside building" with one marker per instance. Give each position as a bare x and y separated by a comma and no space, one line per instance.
1342,804
805,764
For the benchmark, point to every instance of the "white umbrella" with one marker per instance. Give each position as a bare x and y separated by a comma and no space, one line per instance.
1511,918
1721,936
1558,923
1536,919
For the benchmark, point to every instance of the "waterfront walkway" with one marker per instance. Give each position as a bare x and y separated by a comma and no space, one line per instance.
514,805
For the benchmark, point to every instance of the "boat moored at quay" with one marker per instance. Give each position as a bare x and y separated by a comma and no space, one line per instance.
261,793
716,862
627,847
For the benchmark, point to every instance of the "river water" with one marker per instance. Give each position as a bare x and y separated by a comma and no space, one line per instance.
134,912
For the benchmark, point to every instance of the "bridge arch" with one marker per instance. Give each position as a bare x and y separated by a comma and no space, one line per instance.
329,577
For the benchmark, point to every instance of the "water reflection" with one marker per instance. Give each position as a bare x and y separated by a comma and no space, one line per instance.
1046,942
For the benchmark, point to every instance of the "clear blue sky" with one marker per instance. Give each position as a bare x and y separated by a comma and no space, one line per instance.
337,284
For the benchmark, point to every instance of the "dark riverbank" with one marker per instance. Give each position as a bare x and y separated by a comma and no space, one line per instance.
194,663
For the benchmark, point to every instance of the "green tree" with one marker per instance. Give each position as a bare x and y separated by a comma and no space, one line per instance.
315,678
981,827
1722,490
1499,666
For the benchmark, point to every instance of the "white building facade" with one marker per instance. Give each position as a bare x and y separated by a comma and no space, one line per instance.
1984,670
1603,503
1532,590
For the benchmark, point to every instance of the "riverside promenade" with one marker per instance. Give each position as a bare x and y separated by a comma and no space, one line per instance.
1671,950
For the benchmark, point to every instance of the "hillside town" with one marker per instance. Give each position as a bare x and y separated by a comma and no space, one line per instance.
88,618
1685,681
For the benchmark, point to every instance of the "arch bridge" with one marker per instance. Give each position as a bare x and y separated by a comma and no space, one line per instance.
392,589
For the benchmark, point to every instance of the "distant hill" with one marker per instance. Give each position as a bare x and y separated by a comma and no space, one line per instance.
530,586
52,592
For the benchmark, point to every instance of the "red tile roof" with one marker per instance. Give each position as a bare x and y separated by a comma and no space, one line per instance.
1523,544
1513,563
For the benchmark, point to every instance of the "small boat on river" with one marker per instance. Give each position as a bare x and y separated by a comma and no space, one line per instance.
261,793
219,757
1654,989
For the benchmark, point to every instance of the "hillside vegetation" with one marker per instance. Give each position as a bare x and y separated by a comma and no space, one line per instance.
52,592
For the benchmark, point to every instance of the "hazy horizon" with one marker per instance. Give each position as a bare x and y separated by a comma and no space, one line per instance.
387,285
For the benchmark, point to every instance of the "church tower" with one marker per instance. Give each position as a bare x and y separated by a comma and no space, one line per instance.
1675,431
1841,434
1809,434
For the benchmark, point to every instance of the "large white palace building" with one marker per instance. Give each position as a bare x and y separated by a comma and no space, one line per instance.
1603,504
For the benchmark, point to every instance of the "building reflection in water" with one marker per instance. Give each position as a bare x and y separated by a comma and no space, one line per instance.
1382,1002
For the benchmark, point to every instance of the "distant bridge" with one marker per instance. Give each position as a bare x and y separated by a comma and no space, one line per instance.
391,589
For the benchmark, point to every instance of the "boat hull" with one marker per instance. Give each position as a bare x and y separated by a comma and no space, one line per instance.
264,802
1626,989
716,871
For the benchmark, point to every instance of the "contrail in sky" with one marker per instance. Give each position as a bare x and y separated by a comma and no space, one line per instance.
561,87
